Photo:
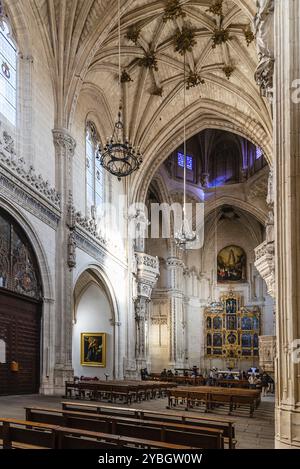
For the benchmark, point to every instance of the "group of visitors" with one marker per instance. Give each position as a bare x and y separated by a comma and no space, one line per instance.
214,377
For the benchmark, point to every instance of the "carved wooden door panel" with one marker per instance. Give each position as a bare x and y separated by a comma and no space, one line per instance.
19,344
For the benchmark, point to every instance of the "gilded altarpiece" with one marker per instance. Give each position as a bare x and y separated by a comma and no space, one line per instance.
232,330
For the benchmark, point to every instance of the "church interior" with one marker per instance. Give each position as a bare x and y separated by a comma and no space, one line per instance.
149,224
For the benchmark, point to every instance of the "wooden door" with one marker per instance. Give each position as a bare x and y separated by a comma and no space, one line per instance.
20,329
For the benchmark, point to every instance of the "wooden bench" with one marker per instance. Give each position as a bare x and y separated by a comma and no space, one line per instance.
227,425
170,432
17,433
112,390
213,396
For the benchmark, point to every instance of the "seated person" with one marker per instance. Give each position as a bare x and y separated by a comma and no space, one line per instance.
164,373
144,374
170,373
252,381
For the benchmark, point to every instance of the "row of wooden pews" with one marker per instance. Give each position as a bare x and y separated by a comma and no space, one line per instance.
181,380
85,425
211,397
226,425
18,434
113,391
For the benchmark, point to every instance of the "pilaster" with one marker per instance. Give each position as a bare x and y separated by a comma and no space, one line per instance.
65,259
287,227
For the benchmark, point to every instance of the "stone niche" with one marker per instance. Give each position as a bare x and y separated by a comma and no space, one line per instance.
267,348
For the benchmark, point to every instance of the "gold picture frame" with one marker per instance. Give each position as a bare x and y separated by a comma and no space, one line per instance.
93,349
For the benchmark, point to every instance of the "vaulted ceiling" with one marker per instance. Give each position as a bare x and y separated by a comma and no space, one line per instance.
81,43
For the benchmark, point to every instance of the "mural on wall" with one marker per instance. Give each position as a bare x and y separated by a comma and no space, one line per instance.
93,349
231,265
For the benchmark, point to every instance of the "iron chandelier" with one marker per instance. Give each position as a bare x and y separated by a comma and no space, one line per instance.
119,157
185,237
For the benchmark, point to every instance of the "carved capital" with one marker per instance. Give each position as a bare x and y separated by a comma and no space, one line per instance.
265,264
64,141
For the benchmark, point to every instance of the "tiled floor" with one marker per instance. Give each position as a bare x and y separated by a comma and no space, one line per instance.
251,433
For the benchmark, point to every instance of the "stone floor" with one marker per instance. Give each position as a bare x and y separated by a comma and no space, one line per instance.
251,433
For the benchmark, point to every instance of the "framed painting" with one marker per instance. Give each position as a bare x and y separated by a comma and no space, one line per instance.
93,349
232,265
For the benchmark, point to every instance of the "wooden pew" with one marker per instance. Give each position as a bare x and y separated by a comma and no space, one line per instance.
212,396
227,425
180,380
170,432
111,390
25,434
233,383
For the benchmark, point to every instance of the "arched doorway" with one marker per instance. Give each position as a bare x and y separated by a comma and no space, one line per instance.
20,311
94,321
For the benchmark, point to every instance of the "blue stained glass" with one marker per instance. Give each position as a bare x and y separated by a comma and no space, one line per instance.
258,153
189,161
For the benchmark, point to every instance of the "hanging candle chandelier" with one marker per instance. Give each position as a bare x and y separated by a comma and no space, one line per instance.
185,236
118,156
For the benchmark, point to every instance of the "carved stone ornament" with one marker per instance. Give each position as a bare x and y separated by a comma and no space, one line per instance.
264,33
16,165
63,140
216,8
184,40
72,250
194,79
249,35
148,61
220,36
173,10
228,71
125,77
133,34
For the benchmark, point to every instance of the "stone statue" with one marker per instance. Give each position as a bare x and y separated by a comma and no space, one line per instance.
141,225
271,194
72,250
264,32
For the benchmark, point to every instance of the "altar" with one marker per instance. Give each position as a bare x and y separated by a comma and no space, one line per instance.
232,331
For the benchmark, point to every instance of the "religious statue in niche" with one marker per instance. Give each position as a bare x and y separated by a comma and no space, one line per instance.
231,265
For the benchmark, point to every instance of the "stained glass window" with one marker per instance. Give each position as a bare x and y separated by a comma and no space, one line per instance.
189,161
18,268
8,75
95,183
258,153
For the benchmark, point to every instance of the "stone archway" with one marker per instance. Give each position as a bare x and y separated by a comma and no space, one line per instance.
94,308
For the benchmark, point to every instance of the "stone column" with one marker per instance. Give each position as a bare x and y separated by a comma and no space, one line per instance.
177,347
65,260
147,273
287,214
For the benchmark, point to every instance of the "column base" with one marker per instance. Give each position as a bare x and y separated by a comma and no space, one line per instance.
56,385
287,426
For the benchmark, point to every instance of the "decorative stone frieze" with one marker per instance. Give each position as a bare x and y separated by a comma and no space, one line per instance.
159,320
14,168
